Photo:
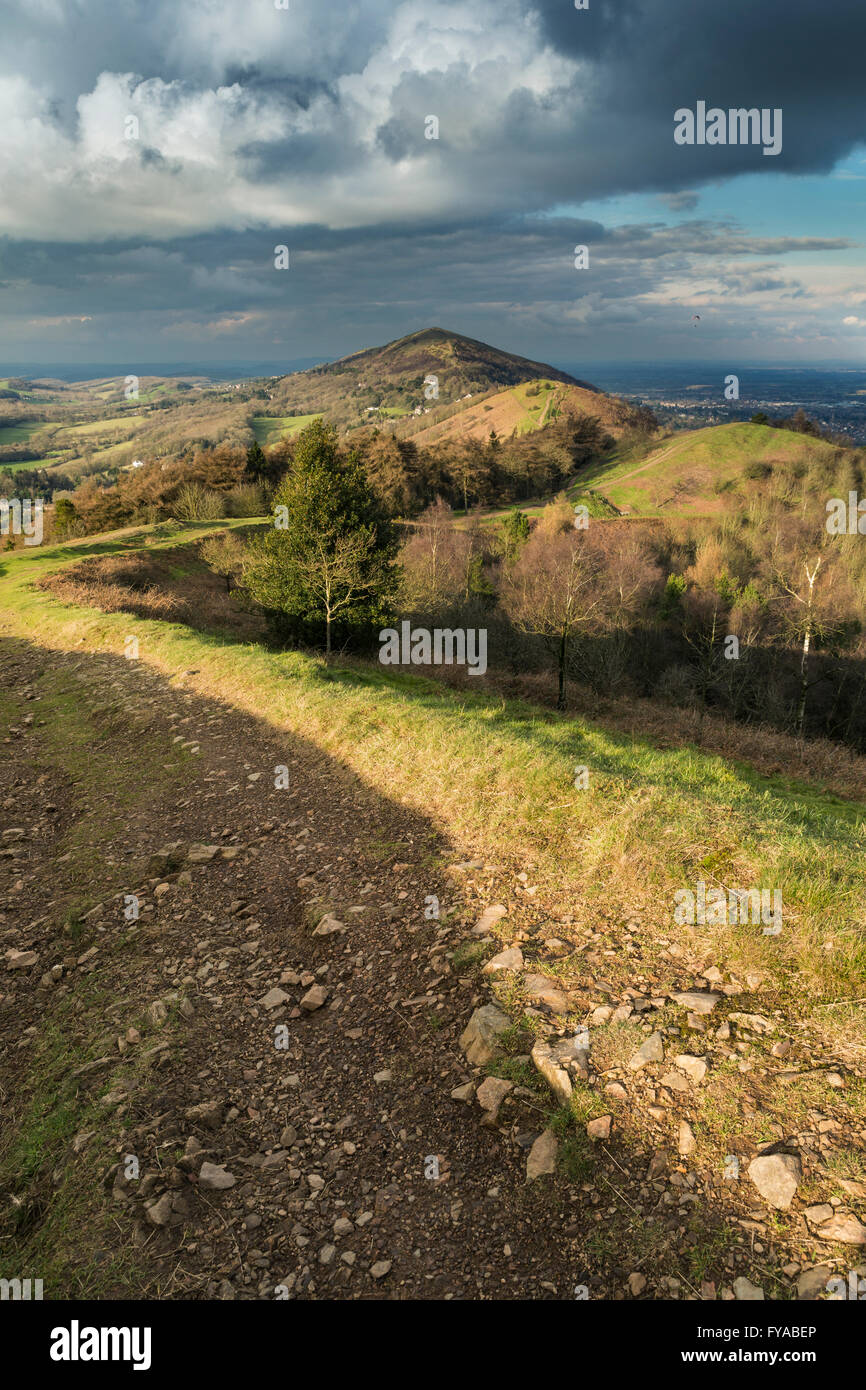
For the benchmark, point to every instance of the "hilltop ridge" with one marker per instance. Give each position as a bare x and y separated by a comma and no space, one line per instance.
393,378
428,348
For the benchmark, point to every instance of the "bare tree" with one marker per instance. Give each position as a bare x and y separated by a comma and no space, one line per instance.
804,595
814,598
551,590
225,554
436,560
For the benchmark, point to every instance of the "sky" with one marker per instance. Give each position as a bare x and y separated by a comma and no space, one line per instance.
156,153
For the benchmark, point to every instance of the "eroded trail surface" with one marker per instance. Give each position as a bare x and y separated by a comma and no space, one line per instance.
267,1156
230,1056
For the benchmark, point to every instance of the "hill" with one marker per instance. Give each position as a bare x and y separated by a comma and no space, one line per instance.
392,378
520,410
437,350
72,431
704,471
430,376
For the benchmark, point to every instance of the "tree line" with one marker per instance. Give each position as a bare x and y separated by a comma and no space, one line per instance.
759,614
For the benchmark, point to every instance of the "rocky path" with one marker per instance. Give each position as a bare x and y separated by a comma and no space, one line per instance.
263,1060
294,1104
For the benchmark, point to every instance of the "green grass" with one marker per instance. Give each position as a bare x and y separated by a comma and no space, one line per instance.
60,1231
27,463
112,451
112,425
166,388
77,740
646,825
20,434
596,505
708,1247
576,1157
696,461
536,407
470,956
521,1072
268,429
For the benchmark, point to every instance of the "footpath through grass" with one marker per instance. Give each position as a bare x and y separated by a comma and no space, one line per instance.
500,775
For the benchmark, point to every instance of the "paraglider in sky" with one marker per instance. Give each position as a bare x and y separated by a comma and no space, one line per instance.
696,318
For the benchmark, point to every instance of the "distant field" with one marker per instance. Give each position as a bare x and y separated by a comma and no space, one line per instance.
268,429
111,451
114,424
164,388
19,434
27,463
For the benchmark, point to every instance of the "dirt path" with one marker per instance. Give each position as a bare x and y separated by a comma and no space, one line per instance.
327,1138
241,1094
650,463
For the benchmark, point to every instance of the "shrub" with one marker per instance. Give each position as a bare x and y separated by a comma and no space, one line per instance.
248,499
757,470
196,503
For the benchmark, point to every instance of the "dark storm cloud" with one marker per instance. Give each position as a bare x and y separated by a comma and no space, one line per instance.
258,111
653,56
308,128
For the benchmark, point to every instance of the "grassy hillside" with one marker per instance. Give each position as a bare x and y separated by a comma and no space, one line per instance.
696,472
521,410
18,434
481,807
268,429
516,767
113,424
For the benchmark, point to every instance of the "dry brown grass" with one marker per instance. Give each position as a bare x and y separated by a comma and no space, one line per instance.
171,585
117,584
506,411
828,765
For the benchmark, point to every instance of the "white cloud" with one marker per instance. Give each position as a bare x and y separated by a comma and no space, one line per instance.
234,156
